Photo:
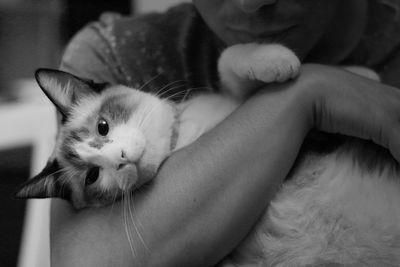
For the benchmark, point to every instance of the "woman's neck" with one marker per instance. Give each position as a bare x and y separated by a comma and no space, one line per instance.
342,35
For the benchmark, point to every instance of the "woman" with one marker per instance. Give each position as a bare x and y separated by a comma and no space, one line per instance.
208,195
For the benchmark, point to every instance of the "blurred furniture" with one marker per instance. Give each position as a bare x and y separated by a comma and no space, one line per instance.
14,169
31,121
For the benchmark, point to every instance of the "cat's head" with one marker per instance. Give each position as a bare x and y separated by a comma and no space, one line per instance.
111,140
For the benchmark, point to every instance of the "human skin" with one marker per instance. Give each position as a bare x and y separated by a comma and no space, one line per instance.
208,195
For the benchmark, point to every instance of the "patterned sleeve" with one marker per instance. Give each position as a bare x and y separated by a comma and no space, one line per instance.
90,54
144,51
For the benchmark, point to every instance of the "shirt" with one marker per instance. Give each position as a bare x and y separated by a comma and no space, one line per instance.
172,52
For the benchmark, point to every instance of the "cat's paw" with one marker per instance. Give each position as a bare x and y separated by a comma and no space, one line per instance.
272,63
260,62
245,67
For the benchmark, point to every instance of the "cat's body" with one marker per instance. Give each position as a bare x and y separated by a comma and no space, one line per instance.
338,209
341,208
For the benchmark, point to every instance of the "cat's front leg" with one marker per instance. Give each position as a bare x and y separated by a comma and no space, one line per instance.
245,67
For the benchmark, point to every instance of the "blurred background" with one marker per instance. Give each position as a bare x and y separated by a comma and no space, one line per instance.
33,34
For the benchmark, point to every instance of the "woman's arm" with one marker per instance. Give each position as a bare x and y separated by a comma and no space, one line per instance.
205,198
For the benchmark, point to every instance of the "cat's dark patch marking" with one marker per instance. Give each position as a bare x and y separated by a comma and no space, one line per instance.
370,157
97,87
98,143
62,190
40,186
95,144
116,108
51,168
75,136
73,158
70,154
63,119
80,134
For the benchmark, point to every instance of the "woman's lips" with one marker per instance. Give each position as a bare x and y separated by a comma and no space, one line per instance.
275,33
270,30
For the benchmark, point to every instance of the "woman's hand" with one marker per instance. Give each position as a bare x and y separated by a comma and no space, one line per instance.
342,102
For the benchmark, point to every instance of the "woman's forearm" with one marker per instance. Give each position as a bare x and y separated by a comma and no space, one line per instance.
224,181
205,199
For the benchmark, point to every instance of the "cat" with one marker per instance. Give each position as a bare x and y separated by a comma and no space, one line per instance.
340,208
113,138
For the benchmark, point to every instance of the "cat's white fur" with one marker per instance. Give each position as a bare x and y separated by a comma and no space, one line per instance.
244,67
144,139
202,113
332,213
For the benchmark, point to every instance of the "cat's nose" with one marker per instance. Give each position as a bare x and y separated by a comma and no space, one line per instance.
129,157
123,160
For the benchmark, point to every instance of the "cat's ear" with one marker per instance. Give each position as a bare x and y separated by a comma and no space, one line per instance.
44,185
63,88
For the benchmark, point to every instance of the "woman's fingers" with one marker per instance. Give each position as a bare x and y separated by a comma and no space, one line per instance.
352,105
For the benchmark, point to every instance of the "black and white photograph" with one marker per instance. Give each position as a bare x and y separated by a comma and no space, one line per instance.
199,133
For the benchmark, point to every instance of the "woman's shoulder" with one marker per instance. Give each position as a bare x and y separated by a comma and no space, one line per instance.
381,37
129,50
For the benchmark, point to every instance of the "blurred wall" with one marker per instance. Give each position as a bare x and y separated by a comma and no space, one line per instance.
29,37
33,33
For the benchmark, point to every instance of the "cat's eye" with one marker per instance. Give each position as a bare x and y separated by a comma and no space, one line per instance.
92,175
102,127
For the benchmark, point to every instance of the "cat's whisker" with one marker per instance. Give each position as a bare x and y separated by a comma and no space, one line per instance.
157,93
172,89
63,186
130,201
149,81
160,93
169,98
187,93
113,201
56,172
127,229
146,116
184,92
202,88
134,211
103,191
